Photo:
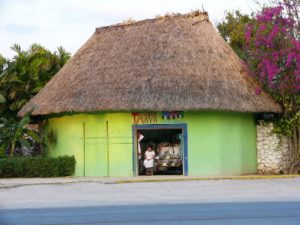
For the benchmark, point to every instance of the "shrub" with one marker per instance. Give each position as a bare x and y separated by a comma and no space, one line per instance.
37,166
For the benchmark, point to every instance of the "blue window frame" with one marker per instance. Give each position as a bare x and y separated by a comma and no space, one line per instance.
181,126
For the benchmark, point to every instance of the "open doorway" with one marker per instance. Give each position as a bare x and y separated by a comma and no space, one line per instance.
169,144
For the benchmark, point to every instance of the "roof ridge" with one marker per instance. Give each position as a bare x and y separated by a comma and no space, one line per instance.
203,15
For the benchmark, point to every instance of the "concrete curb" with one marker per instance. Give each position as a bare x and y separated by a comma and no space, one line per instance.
47,183
21,182
247,177
10,183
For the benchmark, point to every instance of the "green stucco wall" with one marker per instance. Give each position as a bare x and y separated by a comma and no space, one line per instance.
219,143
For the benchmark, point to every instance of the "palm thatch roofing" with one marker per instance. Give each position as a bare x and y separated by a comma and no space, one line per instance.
171,63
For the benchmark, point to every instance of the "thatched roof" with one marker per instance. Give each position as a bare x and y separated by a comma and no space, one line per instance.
172,63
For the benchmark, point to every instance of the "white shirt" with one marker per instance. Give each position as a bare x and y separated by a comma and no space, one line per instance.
149,159
149,154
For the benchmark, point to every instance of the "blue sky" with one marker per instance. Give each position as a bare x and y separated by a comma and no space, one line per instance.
69,23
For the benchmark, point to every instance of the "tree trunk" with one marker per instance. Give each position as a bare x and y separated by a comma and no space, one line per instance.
295,150
12,149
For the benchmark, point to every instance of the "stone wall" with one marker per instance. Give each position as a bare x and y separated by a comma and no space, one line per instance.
273,156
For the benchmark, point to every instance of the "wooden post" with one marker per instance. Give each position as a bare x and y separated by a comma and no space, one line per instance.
107,140
83,126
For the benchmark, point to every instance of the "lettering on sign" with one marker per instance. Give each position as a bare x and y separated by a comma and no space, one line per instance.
144,118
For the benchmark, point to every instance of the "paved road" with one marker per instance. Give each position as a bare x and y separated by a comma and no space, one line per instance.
259,213
242,202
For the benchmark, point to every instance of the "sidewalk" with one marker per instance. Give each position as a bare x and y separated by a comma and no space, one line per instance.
18,182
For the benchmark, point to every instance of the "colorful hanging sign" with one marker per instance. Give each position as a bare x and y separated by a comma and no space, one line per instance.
172,115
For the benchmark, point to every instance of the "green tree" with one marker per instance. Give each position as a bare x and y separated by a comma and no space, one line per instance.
2,63
2,66
26,74
232,29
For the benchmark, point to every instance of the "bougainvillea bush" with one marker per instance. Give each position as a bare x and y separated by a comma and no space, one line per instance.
274,60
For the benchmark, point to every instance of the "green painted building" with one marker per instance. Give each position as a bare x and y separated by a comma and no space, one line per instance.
172,81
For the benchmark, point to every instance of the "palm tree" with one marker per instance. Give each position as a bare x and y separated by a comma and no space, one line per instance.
26,74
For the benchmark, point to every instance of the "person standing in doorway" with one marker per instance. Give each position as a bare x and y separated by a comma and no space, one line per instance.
149,160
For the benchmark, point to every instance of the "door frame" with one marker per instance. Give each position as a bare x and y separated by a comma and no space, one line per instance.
136,127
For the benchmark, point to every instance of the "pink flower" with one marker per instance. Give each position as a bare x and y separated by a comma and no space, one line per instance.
290,58
262,27
257,90
248,32
274,53
272,34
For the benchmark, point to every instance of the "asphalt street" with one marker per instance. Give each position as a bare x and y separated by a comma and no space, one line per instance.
257,202
258,213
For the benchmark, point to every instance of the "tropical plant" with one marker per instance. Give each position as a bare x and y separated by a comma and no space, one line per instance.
21,78
13,133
